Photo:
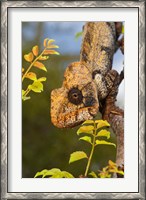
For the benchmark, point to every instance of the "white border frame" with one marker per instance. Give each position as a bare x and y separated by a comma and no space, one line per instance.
5,5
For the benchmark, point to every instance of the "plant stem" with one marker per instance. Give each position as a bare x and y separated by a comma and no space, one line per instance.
91,153
27,91
32,64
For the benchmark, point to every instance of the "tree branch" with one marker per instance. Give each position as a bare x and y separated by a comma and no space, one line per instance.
115,116
121,75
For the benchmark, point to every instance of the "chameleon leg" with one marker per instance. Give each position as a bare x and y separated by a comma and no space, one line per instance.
104,83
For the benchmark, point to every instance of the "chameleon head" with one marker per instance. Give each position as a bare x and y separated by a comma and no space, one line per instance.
76,101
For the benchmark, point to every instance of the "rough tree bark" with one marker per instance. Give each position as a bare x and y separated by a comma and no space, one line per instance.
113,114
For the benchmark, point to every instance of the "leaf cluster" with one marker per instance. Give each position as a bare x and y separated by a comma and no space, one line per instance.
54,173
107,171
35,58
94,132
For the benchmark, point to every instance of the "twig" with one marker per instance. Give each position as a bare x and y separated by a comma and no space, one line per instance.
121,76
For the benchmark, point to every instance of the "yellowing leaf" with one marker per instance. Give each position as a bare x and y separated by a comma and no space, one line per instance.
86,138
35,50
47,52
78,155
98,142
29,57
85,129
31,76
53,46
88,122
37,86
22,69
104,133
45,42
112,164
116,171
40,65
101,123
50,42
43,57
104,174
42,79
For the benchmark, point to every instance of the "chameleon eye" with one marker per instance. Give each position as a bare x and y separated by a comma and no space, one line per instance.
75,96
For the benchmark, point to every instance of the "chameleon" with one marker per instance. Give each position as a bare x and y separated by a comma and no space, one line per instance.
87,81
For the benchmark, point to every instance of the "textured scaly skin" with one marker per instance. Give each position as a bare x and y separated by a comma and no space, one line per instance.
97,52
68,108
88,80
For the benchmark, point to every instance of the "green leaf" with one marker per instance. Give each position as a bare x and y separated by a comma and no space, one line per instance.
25,98
88,122
37,86
78,155
116,171
54,173
93,174
23,92
123,29
66,174
86,138
40,173
40,65
31,76
85,129
102,123
104,175
42,79
104,133
57,175
78,34
98,142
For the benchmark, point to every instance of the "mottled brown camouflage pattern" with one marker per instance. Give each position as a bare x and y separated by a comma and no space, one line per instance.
66,114
88,80
98,46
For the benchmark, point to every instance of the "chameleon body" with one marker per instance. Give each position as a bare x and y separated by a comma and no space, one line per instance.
87,81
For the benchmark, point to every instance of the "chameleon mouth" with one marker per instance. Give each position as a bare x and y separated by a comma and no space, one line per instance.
75,96
89,101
